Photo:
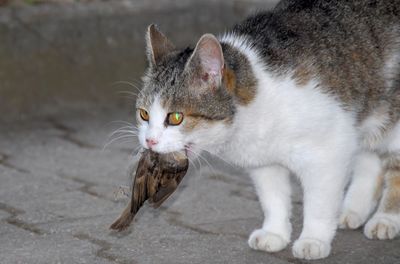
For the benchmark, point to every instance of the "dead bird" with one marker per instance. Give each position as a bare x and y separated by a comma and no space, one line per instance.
157,177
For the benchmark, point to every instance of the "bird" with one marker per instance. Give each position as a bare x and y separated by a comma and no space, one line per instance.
157,177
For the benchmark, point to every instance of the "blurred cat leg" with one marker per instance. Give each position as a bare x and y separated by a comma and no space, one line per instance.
273,188
385,224
364,191
323,191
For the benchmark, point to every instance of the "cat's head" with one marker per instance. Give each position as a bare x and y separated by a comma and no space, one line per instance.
184,102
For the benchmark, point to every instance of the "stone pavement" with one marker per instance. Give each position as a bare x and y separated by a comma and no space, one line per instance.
58,196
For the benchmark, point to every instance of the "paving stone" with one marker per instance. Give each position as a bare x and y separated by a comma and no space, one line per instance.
57,200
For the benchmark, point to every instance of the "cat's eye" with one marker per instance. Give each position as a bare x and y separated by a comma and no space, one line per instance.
144,115
174,119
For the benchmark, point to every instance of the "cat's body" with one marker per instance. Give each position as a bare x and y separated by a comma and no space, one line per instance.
311,88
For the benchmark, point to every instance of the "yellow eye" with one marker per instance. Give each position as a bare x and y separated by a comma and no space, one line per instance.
144,115
174,119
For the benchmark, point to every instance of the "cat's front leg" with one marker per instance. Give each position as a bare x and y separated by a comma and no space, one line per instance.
273,188
323,191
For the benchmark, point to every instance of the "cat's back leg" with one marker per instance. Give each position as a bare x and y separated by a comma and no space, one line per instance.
363,192
377,135
385,223
366,181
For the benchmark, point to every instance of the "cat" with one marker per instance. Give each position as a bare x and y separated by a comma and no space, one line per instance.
310,88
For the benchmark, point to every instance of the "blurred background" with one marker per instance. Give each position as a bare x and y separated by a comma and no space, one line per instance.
69,72
58,55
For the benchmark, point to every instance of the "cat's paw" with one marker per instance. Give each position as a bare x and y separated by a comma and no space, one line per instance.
350,219
310,248
266,241
381,227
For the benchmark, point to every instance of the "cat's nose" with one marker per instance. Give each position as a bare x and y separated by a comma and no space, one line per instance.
151,142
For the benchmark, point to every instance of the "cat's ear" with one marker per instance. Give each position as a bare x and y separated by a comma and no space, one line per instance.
207,60
158,45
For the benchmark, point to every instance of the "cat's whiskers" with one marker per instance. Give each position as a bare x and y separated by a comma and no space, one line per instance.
120,132
129,130
128,94
122,122
130,84
126,126
134,128
118,138
137,150
216,155
204,159
192,162
127,145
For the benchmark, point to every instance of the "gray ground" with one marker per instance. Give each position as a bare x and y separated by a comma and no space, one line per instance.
59,188
58,197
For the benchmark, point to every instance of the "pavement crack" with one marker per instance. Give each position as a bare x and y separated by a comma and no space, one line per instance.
229,180
290,260
243,194
175,219
86,186
180,223
13,219
5,162
63,219
68,134
104,248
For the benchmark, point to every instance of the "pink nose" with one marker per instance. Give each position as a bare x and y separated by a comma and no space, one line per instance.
151,142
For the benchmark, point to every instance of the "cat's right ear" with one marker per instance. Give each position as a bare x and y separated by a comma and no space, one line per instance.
158,45
206,64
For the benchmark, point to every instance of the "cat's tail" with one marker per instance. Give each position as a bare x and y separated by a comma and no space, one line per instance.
124,220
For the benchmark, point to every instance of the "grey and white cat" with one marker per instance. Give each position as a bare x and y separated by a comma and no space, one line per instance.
310,88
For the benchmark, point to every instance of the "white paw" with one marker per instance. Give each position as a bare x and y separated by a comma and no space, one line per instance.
310,248
381,227
266,241
350,219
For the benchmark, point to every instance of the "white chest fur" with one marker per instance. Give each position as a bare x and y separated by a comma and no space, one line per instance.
288,124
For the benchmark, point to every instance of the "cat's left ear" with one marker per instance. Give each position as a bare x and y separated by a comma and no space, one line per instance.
207,60
158,45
